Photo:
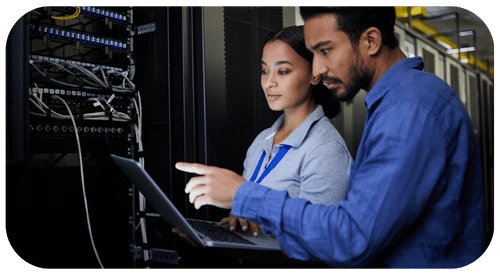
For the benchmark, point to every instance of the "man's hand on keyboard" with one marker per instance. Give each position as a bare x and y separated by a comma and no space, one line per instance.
245,224
183,236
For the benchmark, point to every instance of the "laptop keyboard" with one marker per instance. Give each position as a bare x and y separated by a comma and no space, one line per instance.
217,233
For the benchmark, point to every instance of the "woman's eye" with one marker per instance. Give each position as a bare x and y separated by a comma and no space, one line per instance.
264,72
283,72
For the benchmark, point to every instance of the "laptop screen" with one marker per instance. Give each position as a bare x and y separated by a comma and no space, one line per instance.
155,196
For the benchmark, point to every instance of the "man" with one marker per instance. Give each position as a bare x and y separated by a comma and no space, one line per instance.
415,197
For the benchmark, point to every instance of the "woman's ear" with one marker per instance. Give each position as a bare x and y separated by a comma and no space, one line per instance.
315,80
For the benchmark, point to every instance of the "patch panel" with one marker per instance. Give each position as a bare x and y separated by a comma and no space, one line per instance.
102,12
74,62
99,12
67,130
74,97
78,36
89,79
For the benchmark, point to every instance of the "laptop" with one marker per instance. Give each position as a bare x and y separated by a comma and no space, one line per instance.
204,233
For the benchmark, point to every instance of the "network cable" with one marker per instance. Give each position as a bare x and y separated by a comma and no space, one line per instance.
82,178
88,77
117,116
68,17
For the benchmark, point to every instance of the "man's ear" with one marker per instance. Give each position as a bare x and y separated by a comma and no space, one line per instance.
372,40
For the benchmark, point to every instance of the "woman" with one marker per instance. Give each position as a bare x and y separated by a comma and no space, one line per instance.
302,151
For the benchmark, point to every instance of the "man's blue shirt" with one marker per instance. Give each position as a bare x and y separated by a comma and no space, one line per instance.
415,194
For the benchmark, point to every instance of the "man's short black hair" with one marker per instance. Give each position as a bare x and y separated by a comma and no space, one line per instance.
355,20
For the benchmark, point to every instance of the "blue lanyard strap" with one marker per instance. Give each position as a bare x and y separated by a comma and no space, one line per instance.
282,152
256,171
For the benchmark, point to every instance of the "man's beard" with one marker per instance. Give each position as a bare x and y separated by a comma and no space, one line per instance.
357,79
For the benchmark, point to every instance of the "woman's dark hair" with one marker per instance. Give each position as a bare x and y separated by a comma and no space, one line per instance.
294,37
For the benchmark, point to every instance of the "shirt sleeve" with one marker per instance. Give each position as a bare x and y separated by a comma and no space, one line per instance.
324,175
398,178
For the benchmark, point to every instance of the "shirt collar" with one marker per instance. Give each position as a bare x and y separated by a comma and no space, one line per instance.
389,77
298,135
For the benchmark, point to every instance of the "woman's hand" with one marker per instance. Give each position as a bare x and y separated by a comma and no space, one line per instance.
245,224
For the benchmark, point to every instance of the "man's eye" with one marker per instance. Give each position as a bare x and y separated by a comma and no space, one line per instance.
324,51
264,72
